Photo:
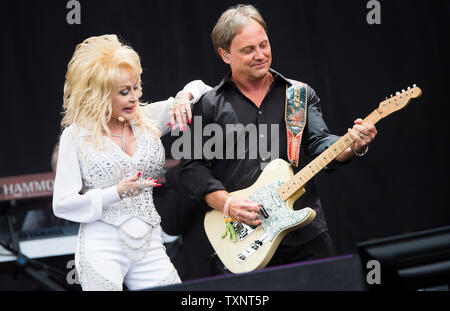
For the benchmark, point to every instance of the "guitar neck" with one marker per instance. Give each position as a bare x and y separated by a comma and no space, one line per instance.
308,172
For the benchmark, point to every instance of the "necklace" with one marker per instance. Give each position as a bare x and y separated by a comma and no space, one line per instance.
122,139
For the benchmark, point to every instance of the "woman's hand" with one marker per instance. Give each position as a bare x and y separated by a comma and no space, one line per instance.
181,110
133,186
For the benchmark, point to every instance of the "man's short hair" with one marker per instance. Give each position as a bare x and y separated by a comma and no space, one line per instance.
231,23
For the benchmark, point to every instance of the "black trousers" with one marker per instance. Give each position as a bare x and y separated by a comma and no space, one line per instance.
319,247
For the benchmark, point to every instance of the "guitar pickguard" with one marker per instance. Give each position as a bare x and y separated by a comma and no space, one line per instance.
279,218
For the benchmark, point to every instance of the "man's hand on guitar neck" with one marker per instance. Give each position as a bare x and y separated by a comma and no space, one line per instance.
242,210
362,133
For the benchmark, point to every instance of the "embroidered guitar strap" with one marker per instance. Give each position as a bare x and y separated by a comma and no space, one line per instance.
295,117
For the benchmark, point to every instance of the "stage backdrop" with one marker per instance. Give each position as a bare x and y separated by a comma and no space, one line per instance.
402,183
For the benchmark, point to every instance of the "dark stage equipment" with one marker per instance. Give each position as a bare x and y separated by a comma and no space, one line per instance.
341,273
410,262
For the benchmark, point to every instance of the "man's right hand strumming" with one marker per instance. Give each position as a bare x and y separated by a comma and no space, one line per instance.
243,210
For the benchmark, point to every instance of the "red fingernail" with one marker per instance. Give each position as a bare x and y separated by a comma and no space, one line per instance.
150,178
173,127
190,121
158,185
139,174
168,123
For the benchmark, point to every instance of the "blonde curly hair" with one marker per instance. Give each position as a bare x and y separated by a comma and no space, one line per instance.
91,82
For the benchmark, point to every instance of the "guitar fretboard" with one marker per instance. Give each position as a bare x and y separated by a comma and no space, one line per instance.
308,172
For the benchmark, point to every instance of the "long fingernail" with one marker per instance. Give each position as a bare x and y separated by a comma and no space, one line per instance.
150,178
168,123
173,127
190,121
139,174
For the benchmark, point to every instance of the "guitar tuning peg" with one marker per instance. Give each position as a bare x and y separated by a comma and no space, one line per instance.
403,91
409,88
398,93
391,95
414,85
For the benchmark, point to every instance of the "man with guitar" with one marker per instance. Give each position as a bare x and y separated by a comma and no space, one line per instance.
253,93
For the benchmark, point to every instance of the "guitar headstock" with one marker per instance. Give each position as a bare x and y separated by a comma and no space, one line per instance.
399,101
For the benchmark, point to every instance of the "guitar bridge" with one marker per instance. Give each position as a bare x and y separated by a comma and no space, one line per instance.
241,257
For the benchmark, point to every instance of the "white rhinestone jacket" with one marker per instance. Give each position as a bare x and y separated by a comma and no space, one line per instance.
85,188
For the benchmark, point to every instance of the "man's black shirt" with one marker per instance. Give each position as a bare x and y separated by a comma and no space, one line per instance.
226,104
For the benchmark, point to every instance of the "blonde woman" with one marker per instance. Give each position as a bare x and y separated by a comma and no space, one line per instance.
110,153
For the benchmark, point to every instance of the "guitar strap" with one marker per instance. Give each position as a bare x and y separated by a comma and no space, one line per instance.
295,117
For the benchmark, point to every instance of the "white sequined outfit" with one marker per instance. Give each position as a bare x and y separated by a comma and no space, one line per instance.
119,241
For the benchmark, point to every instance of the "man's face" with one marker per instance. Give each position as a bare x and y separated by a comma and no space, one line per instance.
250,55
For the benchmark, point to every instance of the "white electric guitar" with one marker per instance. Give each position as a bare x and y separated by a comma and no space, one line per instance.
277,189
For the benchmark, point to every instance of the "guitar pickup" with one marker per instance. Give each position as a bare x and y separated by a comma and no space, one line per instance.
264,212
275,199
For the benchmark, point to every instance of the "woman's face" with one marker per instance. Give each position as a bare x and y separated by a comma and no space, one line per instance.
126,98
